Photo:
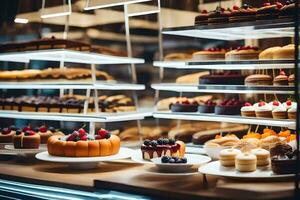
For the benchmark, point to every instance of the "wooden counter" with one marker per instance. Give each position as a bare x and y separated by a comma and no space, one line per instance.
135,178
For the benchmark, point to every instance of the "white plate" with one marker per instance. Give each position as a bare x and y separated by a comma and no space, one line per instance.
138,157
192,159
195,150
12,148
214,168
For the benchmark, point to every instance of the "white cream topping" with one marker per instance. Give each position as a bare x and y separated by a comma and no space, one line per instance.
274,106
289,106
247,108
280,108
263,108
293,108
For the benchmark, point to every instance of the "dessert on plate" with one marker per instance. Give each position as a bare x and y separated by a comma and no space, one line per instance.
227,157
81,144
46,133
245,162
262,155
162,147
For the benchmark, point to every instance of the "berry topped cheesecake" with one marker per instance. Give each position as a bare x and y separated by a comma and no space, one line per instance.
184,104
162,147
82,144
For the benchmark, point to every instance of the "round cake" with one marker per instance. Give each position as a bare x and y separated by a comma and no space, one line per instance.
242,53
259,79
210,54
80,144
267,54
223,78
183,104
46,133
284,53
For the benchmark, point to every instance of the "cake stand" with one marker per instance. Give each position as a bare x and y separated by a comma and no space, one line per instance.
84,162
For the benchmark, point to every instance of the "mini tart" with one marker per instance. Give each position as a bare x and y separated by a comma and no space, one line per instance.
242,53
248,111
279,112
258,79
210,54
207,107
264,111
227,157
262,156
245,162
89,148
267,54
292,112
23,141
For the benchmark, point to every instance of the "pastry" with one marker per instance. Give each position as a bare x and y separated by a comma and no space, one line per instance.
183,104
279,112
247,144
292,112
262,156
229,107
245,13
245,162
202,19
267,54
220,15
26,140
248,110
281,79
209,54
207,107
291,80
177,56
258,79
227,157
80,144
269,11
162,147
269,142
283,159
243,53
223,78
191,78
6,134
228,140
263,110
284,53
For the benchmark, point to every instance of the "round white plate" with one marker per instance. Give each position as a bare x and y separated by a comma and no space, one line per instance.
138,157
214,168
192,159
12,148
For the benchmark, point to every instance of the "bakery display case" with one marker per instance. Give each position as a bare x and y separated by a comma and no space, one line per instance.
206,110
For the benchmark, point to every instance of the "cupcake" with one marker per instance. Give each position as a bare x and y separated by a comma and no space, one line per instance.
207,107
288,104
292,112
291,80
279,112
263,110
248,110
274,104
281,79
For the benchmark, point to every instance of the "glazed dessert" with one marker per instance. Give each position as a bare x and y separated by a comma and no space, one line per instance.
162,147
26,139
258,79
267,54
207,107
242,53
262,156
220,15
229,107
183,104
209,54
245,162
46,133
263,110
177,56
202,19
245,13
283,159
81,144
291,80
269,11
227,157
248,110
7,134
173,159
281,79
223,78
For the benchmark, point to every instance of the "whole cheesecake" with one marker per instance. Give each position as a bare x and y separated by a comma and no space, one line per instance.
80,144
162,147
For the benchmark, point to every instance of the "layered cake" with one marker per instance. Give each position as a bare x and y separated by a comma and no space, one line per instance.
202,19
259,79
26,139
229,107
210,54
223,78
162,147
245,13
245,162
269,11
243,53
220,15
81,144
183,104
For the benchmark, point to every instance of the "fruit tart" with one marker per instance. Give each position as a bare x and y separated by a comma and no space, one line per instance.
26,139
184,104
6,134
162,147
81,144
207,107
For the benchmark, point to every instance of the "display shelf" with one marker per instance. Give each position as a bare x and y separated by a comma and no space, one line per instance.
227,65
224,118
100,117
70,85
236,89
67,56
237,31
